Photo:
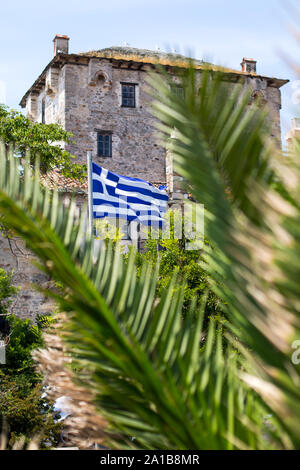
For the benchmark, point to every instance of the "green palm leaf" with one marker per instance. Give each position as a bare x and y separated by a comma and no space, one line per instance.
220,148
145,363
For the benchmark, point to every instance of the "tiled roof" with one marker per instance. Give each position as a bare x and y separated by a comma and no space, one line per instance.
55,180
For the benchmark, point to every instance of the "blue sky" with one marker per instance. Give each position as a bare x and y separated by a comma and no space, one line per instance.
221,31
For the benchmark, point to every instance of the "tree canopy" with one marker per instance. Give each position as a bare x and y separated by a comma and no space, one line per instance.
44,141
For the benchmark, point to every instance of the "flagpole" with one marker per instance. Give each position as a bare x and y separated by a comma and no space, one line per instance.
90,192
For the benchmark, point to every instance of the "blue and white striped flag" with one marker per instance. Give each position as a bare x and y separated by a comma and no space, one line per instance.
126,198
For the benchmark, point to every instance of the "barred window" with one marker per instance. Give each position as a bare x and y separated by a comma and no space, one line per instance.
104,141
177,90
128,95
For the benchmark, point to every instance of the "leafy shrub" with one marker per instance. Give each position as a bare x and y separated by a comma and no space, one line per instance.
6,290
24,407
174,258
43,141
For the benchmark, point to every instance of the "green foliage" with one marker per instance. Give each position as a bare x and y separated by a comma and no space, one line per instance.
173,258
23,406
19,134
26,413
108,230
7,290
156,374
222,151
24,338
45,321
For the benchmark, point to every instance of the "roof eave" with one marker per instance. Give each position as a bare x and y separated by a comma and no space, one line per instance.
272,81
55,59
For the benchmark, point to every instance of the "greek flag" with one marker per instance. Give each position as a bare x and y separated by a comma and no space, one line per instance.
126,198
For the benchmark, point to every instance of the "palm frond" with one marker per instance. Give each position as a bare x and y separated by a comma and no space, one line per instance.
220,148
152,380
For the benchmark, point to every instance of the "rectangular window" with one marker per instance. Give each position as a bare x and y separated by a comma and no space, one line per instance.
104,141
43,111
128,95
178,90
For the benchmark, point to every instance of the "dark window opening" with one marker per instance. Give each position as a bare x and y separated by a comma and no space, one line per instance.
178,91
128,95
43,111
104,141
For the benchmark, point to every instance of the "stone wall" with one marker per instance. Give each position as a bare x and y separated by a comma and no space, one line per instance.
53,96
269,96
86,98
15,257
94,104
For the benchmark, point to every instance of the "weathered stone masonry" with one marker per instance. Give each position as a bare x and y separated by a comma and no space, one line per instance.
135,150
82,93
14,256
